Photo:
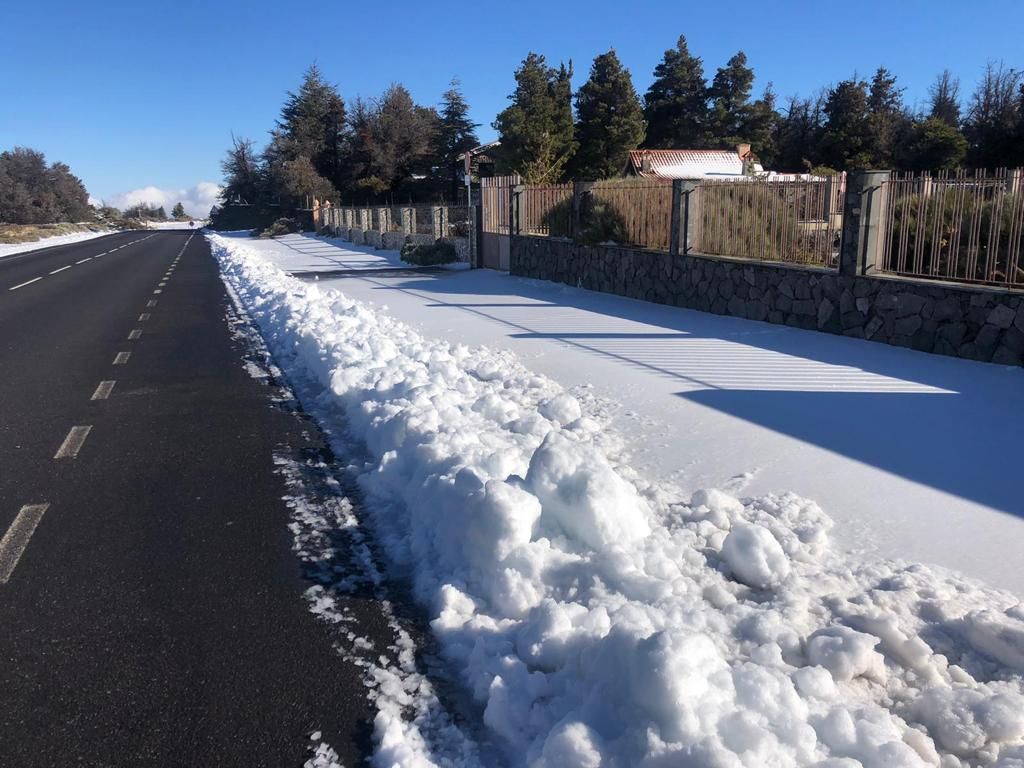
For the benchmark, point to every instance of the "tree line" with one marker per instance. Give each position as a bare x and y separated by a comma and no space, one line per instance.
33,191
392,149
374,149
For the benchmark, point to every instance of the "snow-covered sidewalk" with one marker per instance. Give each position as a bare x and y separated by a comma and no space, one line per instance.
10,249
912,455
599,613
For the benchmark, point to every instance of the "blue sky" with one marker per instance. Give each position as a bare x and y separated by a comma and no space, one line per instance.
134,94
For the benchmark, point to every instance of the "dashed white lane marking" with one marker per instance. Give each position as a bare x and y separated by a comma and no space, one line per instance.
13,544
157,291
162,283
82,261
151,303
54,272
73,443
144,317
103,390
22,285
122,358
135,334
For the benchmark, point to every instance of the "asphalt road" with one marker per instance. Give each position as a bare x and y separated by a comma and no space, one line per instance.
151,609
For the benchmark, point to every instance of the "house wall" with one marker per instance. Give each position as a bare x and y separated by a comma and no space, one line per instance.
972,322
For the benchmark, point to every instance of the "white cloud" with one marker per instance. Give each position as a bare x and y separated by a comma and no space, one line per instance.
197,200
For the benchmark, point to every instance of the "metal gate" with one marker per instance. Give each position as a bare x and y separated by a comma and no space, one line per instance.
496,214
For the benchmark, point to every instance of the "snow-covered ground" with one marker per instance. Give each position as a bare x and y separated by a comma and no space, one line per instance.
598,611
911,454
9,249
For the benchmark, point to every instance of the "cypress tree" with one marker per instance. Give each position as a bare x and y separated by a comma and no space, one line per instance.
610,120
536,129
676,106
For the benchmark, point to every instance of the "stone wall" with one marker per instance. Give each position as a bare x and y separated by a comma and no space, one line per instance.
392,241
973,322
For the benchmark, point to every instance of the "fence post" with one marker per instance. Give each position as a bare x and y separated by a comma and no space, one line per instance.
579,190
862,250
382,220
407,218
679,234
1015,181
514,209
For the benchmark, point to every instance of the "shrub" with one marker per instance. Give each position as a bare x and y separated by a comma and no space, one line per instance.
429,254
282,226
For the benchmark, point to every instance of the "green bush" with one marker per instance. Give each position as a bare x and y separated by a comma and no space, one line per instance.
938,225
429,254
282,226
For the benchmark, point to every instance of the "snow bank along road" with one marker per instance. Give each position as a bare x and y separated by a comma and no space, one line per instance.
596,616
150,604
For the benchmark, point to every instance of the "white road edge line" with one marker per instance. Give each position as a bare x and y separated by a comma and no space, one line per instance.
22,285
122,358
136,333
103,390
73,443
13,544
54,272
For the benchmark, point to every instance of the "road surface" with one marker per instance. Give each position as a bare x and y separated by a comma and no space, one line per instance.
150,605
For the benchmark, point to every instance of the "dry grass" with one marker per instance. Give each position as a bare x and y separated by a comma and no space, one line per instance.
30,233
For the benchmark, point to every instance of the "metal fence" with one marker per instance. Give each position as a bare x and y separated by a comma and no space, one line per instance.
632,212
496,201
965,226
546,210
797,220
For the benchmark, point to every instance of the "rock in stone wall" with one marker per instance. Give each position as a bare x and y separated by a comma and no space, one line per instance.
978,323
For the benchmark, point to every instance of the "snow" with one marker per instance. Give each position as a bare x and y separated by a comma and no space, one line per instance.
9,249
196,224
911,454
599,616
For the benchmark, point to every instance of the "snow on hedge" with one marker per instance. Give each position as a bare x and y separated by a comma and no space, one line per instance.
598,619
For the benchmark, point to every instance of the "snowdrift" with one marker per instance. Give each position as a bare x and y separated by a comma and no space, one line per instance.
601,620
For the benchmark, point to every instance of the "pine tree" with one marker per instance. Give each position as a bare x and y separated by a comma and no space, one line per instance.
846,138
536,129
760,127
730,102
931,145
610,120
178,211
994,118
676,106
32,192
456,135
798,134
312,125
887,117
243,171
944,99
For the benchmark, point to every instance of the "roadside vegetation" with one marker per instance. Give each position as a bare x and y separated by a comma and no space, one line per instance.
391,150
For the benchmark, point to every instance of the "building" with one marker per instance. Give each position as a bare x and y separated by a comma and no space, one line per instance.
693,164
